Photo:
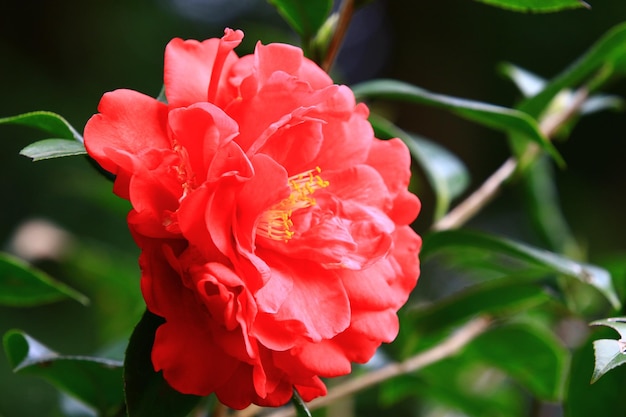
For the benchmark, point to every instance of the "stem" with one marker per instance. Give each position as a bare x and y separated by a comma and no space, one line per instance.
490,188
448,347
345,15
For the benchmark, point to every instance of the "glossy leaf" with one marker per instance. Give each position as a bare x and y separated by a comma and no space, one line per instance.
549,261
147,393
22,285
537,6
47,121
528,353
53,148
604,55
97,382
446,173
305,17
609,353
496,117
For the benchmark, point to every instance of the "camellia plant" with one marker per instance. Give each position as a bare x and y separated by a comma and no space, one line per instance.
275,213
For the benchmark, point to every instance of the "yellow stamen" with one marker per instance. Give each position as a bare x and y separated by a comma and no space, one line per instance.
276,223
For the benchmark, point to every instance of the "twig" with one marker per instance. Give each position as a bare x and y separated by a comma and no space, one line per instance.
448,347
345,15
488,190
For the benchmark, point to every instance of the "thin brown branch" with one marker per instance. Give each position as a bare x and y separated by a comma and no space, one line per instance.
490,188
448,347
345,16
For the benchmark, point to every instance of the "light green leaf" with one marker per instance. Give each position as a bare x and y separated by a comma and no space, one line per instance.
305,17
147,393
496,117
600,60
53,148
47,121
609,353
446,173
530,354
22,285
97,382
552,262
537,6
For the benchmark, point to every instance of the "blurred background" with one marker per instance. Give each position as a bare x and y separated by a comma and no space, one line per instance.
62,56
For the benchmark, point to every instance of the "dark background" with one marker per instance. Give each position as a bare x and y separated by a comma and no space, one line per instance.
62,56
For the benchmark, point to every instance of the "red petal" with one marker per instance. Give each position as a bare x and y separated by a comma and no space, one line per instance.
129,122
190,66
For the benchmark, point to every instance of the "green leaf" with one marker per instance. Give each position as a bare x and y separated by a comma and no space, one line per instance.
531,84
22,285
47,121
147,393
528,353
446,173
600,60
53,148
537,6
500,297
97,382
305,17
500,118
588,274
609,353
301,408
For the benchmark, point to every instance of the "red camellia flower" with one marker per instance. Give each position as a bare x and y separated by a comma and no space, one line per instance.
273,225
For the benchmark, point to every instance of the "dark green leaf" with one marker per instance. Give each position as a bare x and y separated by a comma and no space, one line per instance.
446,173
501,118
529,354
22,285
609,353
601,59
49,122
53,148
305,17
538,6
500,297
147,393
301,408
97,382
588,274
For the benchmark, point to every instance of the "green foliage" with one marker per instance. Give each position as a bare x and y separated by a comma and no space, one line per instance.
609,353
22,285
147,393
305,17
46,121
53,148
500,118
492,247
593,68
66,142
94,381
537,6
528,353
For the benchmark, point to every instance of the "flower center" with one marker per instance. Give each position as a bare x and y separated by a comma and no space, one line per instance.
275,223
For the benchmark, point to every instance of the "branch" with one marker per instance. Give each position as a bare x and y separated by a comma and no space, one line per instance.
448,347
345,15
488,190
